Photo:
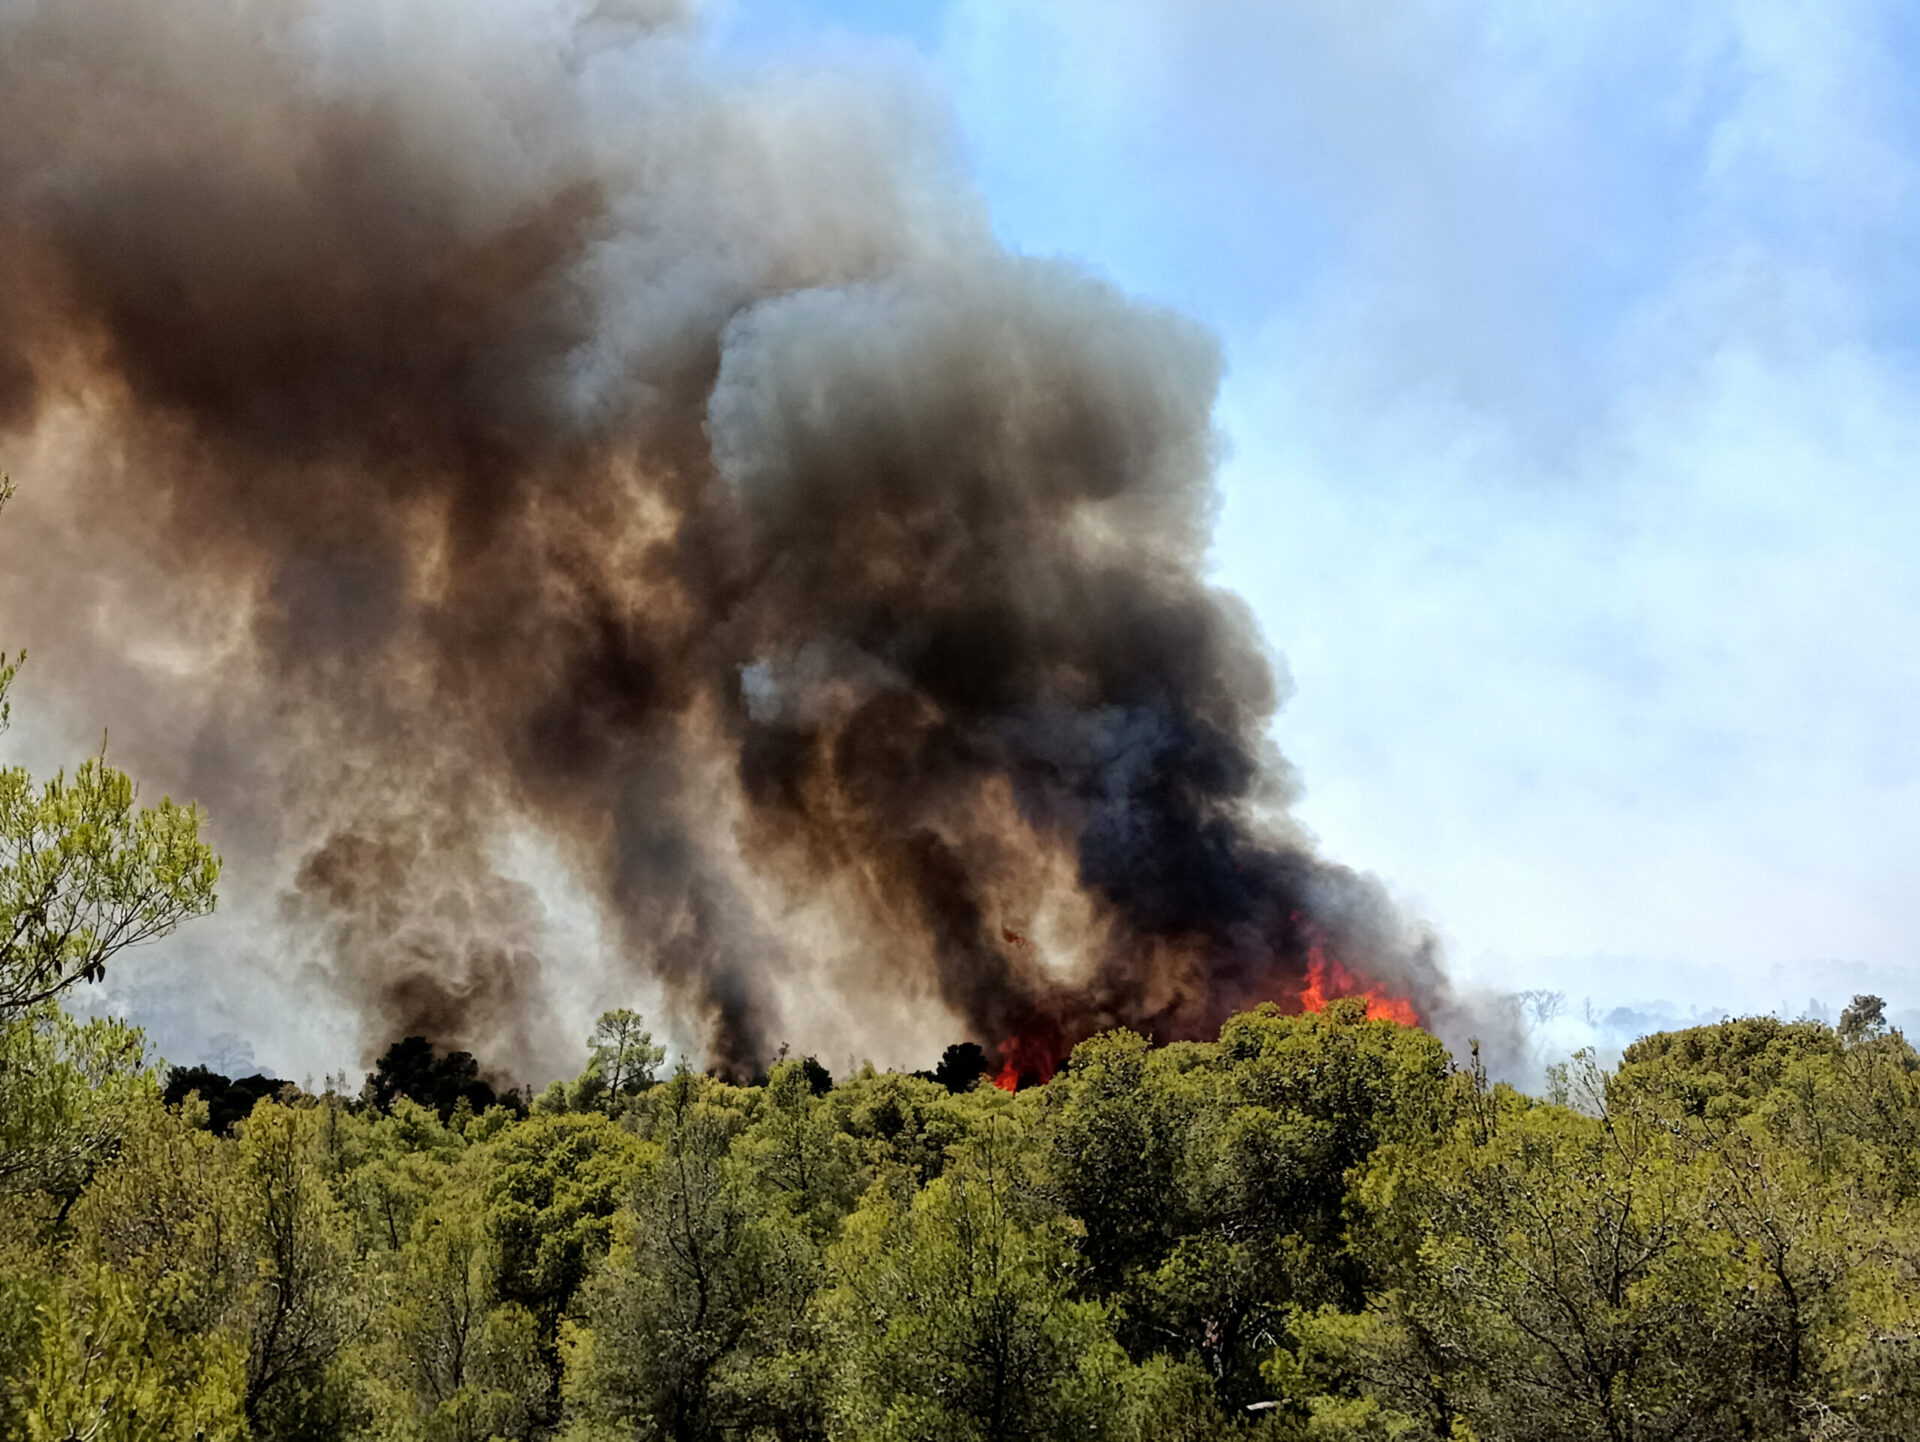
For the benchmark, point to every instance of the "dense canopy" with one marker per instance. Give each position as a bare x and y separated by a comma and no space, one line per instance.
1314,1226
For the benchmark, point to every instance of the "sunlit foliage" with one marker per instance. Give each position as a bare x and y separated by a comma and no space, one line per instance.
1313,1228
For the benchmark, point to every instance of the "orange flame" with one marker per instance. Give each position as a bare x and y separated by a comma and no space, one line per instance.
1031,1056
1030,1059
1328,980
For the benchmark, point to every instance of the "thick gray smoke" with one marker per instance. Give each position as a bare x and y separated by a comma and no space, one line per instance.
531,427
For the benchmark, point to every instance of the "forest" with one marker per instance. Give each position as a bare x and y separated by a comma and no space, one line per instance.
1316,1226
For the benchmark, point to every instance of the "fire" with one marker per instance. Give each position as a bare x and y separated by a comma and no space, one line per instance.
1029,1059
1328,980
1032,1055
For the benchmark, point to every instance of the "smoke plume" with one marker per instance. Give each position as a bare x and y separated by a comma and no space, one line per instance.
516,422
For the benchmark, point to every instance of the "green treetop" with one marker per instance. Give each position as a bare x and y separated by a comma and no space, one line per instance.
624,1052
85,873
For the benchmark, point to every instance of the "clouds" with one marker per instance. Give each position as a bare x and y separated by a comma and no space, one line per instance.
1571,391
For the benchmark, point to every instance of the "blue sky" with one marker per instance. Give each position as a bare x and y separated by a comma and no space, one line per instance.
1572,416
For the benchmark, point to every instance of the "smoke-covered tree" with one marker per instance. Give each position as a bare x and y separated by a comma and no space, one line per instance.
1308,1230
229,1101
961,1066
623,1052
9,665
86,1347
1865,1016
414,1068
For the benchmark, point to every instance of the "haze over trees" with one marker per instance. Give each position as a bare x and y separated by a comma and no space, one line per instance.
1311,1227
84,872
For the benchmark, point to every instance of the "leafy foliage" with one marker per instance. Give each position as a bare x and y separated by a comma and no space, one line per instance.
1314,1229
68,1090
84,874
955,1316
623,1053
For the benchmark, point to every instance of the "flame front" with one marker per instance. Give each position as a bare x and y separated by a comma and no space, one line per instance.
1030,1058
1328,980
1032,1055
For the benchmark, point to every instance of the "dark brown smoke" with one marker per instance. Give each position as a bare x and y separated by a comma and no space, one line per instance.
567,436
